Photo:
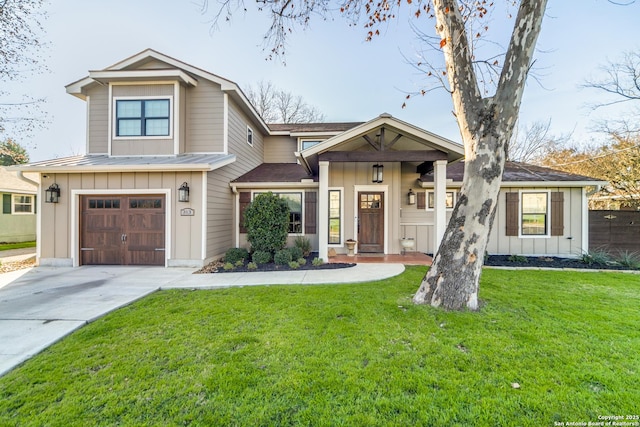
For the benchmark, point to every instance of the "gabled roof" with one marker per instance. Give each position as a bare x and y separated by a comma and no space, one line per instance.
523,174
128,69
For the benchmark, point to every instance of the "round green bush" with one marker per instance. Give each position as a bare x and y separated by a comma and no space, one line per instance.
267,222
261,257
234,255
282,257
296,252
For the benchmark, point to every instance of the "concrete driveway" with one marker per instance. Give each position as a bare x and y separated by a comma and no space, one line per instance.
45,304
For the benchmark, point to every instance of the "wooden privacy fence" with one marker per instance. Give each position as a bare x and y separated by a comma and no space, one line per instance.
614,231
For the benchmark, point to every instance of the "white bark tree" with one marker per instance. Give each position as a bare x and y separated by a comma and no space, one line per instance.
486,123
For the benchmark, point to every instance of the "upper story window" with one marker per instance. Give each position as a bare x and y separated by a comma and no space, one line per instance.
142,117
249,136
308,143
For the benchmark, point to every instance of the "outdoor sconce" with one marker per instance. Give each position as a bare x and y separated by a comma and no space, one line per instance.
376,175
52,194
183,193
411,197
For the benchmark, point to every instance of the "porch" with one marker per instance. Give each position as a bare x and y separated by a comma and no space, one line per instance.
411,258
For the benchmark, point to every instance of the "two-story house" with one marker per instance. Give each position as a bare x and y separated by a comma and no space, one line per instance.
175,153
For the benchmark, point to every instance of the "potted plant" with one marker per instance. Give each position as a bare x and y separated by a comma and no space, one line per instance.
351,244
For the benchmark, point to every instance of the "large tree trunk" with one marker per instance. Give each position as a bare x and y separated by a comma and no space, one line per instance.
485,126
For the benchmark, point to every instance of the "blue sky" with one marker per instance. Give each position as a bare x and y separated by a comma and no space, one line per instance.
330,64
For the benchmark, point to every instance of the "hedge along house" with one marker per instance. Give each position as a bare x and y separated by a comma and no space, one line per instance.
175,153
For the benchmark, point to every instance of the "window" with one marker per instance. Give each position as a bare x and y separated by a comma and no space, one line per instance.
308,143
335,214
22,204
294,200
148,117
450,200
534,214
249,136
104,203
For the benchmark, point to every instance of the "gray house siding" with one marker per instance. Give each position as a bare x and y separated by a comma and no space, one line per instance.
204,116
280,149
98,120
220,198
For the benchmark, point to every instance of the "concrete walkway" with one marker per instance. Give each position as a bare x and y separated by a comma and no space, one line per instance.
45,304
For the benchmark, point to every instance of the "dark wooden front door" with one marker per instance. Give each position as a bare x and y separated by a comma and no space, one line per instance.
122,230
370,222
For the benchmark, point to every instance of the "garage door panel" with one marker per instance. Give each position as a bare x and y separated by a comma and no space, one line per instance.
127,230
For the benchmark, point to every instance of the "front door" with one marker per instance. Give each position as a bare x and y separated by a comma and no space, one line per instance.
371,222
122,230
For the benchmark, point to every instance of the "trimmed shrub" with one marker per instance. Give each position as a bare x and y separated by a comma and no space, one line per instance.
282,257
234,255
302,261
296,252
317,261
240,263
261,257
228,266
252,266
267,222
294,265
304,244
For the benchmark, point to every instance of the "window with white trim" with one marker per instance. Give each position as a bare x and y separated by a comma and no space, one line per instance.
308,143
143,117
450,199
534,213
335,217
249,136
294,201
22,204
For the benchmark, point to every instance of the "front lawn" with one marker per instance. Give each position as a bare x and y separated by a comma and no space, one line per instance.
546,347
8,246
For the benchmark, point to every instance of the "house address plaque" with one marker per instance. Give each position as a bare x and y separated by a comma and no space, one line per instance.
187,212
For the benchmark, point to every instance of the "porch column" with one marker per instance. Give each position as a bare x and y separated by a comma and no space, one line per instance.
323,211
439,202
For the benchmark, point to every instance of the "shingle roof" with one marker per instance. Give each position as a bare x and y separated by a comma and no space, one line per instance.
276,172
516,172
312,127
10,183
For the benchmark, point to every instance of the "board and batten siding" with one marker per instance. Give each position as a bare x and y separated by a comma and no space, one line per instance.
185,231
221,204
98,120
204,116
280,149
418,224
144,146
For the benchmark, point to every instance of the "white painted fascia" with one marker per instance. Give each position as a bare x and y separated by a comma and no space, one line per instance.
105,76
515,184
273,185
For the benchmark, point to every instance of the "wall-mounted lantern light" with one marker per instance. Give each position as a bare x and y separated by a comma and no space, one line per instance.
411,197
183,193
52,194
376,175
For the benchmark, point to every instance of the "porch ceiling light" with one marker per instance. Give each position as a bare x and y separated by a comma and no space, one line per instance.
52,194
183,193
376,174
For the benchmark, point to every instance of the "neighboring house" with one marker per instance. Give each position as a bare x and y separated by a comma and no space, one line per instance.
157,125
18,218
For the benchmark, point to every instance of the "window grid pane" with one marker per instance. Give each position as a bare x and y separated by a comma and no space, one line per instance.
534,214
142,117
334,217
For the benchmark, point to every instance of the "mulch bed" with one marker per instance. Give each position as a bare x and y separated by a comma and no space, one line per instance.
216,267
549,262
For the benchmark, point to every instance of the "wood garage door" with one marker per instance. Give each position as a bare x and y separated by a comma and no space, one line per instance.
122,230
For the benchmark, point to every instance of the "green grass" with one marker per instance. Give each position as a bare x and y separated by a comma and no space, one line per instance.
351,355
7,246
